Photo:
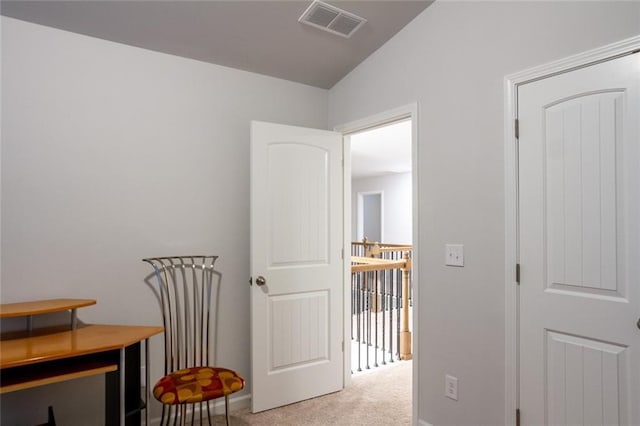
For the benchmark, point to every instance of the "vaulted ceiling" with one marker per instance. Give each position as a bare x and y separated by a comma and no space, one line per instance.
258,36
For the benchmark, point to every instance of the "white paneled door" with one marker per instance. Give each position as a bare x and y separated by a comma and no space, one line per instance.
579,242
296,264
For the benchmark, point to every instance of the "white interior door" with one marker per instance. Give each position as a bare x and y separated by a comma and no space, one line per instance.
296,257
579,242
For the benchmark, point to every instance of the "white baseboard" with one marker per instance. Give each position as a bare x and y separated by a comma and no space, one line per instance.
423,423
237,403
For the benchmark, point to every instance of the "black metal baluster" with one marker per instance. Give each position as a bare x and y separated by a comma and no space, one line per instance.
360,280
369,282
383,301
381,290
353,284
399,301
375,317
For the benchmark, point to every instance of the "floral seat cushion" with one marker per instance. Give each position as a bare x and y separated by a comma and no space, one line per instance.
197,384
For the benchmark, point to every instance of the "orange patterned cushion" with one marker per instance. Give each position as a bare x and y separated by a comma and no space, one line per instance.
197,384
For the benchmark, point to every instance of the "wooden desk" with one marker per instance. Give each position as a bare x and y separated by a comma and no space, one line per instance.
44,356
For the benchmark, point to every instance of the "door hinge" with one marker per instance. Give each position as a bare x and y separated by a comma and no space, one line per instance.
343,346
517,128
518,273
342,254
517,417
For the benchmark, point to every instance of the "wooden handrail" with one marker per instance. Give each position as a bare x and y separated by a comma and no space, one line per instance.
360,243
376,249
366,264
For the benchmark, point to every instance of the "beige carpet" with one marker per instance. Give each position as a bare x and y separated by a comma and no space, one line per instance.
380,396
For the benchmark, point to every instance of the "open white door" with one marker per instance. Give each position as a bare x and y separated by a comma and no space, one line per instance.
296,264
579,194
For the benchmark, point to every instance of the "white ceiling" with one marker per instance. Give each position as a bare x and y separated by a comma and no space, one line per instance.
381,151
259,36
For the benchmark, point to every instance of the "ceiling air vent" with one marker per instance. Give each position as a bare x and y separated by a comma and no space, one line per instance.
332,19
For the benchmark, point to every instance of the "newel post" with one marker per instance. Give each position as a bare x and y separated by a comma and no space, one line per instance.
405,333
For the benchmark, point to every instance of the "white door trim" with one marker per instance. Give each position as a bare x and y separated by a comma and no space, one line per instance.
511,83
405,111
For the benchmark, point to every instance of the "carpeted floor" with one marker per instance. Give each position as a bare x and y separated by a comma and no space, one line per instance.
381,396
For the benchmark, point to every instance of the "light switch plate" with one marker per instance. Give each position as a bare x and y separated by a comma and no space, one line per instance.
451,387
454,254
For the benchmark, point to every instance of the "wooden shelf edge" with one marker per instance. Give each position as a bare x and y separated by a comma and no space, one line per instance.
38,307
58,378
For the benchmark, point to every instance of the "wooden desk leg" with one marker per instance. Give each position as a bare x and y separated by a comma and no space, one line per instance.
122,389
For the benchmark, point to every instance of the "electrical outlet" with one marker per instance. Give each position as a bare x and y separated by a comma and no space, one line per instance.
454,255
451,387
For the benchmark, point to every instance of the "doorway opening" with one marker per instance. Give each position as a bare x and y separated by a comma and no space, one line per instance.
409,114
381,244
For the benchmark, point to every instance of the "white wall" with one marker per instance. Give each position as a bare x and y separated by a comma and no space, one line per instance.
452,60
112,153
397,204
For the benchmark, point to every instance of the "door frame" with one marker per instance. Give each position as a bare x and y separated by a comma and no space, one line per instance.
512,294
408,111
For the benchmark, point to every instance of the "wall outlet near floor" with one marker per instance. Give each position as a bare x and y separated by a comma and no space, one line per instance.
451,387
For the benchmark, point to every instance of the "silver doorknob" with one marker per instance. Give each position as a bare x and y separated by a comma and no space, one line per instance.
261,280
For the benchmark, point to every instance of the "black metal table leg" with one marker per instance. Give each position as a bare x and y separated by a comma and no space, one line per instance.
123,387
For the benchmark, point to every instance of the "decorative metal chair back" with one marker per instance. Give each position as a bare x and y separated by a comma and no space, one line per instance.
187,289
186,285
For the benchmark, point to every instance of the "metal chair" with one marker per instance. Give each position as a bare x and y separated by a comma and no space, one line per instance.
187,287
